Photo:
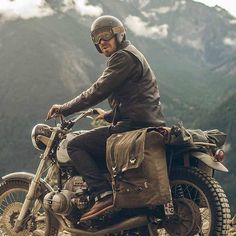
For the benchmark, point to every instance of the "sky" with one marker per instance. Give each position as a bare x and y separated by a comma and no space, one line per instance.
229,5
26,9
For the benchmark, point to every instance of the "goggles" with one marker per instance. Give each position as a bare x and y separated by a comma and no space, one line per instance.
106,33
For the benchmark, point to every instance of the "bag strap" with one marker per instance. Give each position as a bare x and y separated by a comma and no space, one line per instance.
120,177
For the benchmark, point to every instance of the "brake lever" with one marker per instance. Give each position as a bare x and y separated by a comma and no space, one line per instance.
69,125
62,120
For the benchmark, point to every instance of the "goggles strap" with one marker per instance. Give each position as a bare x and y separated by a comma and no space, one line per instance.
118,29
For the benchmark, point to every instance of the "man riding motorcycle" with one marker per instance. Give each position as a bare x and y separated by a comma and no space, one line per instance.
131,88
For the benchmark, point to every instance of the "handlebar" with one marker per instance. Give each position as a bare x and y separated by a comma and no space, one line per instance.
68,124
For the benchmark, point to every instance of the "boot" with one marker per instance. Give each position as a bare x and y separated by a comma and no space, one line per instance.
100,206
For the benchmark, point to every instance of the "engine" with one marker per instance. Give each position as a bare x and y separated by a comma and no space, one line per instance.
72,200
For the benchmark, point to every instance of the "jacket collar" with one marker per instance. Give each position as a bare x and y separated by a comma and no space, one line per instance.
124,44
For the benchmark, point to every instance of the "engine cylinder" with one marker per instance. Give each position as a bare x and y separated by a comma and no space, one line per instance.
59,202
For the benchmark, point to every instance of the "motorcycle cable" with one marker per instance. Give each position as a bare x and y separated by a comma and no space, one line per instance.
59,188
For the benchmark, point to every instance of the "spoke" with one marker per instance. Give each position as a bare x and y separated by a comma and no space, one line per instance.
16,195
195,195
185,190
22,196
189,189
3,203
7,200
2,209
11,196
185,226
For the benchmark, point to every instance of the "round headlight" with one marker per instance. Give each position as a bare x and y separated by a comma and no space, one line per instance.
43,130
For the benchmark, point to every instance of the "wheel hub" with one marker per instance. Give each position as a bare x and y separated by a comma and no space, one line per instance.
9,217
186,221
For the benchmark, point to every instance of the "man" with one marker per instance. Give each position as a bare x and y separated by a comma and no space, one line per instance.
131,88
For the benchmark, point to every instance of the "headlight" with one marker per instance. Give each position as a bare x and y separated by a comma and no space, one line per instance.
43,130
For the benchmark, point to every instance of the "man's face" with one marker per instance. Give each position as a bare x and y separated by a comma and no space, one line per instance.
108,47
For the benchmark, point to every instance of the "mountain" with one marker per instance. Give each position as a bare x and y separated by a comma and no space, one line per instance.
47,60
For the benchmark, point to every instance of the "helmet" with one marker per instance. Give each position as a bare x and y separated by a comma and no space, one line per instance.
111,26
43,130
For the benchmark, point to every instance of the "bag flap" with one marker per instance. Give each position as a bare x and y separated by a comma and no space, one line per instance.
198,135
217,137
125,150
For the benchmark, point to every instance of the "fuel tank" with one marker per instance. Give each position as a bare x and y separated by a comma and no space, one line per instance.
62,154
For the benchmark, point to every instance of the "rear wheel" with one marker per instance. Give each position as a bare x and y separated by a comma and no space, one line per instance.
202,206
12,195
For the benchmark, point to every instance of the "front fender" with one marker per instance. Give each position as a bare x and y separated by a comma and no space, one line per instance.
209,161
26,176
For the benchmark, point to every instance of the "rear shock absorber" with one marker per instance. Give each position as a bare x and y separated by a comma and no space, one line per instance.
179,193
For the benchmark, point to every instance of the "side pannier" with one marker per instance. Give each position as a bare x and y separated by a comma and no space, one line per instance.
136,161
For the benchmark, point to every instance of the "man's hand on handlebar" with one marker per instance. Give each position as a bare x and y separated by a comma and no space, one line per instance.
54,111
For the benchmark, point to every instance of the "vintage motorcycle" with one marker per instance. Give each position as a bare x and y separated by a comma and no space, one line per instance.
52,201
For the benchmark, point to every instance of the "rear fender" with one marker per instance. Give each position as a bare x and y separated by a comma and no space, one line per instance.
209,161
27,177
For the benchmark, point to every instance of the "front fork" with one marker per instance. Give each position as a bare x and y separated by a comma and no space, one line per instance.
19,224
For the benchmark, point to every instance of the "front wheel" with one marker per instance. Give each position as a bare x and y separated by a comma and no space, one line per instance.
200,196
12,196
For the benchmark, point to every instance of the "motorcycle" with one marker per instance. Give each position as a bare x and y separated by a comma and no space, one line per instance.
52,201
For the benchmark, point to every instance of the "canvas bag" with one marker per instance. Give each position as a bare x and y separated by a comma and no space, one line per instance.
178,135
136,161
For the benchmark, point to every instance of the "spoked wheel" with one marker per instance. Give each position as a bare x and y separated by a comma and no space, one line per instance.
12,195
201,206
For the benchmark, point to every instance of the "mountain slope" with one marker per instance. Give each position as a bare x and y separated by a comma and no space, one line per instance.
52,59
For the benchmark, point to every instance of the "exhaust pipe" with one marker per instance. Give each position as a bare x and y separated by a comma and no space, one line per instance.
134,222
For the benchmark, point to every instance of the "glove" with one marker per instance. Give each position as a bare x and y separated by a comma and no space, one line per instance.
54,111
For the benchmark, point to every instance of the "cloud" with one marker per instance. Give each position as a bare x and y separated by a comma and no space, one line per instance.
196,43
233,22
178,39
230,42
13,9
83,7
26,9
143,3
141,28
165,9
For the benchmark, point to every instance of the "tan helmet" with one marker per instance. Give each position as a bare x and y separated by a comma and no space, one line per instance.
106,27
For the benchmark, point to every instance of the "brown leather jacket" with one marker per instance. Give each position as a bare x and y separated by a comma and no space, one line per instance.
130,86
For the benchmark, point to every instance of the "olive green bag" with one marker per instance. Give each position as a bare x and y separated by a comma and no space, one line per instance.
136,161
179,135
